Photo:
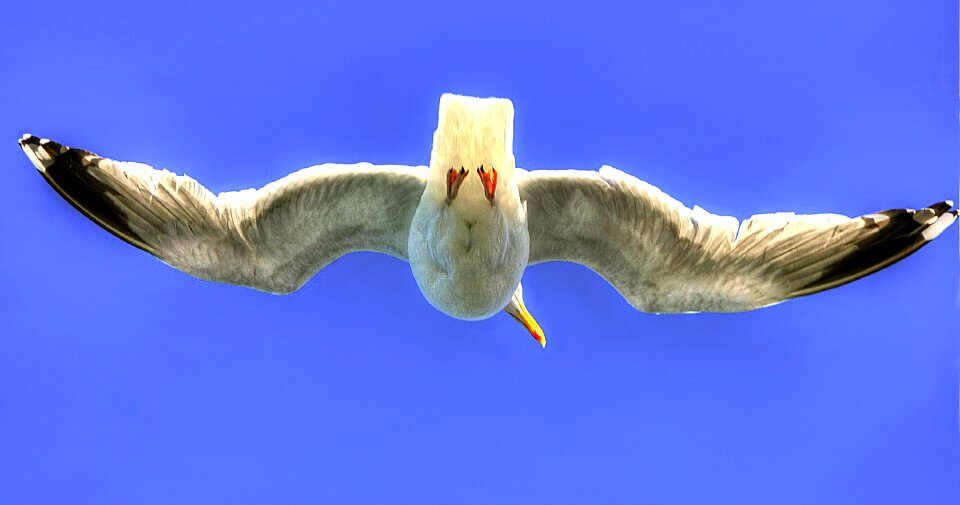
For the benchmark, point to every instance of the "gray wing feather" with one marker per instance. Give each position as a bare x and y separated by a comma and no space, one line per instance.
664,257
272,239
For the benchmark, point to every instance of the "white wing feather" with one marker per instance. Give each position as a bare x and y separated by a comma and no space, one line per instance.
664,257
272,239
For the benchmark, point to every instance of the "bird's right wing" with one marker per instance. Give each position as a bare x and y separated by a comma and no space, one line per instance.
272,239
665,257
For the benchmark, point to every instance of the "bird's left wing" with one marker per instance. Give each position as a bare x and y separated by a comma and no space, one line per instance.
665,257
272,239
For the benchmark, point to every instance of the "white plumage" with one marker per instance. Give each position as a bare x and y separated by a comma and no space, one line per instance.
471,222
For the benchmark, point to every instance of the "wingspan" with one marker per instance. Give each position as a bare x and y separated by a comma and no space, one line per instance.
271,239
665,257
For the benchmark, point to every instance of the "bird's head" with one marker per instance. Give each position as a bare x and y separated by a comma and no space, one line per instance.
472,163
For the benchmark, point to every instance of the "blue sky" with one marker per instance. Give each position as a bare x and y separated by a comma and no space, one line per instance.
125,381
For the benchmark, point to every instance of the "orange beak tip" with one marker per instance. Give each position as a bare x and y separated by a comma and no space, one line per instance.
523,317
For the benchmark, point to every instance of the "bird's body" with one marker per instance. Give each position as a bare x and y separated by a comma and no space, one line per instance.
467,265
467,253
471,222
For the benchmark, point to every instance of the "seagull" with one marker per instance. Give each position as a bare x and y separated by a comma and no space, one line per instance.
471,222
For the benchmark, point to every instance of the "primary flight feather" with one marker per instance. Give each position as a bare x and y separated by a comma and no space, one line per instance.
471,222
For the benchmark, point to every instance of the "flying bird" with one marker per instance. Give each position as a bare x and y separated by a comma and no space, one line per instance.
471,222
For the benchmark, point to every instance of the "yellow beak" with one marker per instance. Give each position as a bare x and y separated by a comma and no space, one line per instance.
518,311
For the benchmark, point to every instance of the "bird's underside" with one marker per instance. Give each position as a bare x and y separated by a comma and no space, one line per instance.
664,257
660,255
272,239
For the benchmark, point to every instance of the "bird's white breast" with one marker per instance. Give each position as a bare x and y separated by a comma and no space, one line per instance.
467,264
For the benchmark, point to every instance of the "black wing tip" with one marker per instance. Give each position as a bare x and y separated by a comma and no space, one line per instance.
924,224
68,171
42,152
29,139
900,234
942,207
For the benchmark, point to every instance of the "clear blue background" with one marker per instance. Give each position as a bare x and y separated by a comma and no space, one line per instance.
124,381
